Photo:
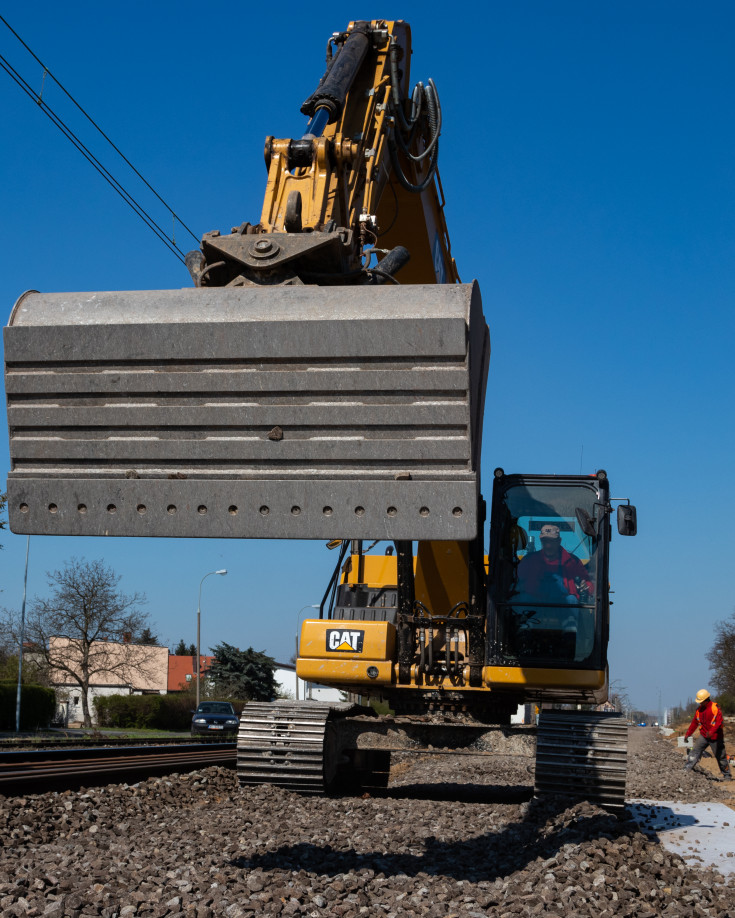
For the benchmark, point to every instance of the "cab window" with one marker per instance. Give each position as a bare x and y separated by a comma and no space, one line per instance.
545,576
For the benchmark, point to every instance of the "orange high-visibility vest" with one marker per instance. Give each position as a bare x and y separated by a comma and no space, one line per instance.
715,712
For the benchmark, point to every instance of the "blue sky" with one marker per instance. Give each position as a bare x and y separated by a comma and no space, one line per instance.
587,162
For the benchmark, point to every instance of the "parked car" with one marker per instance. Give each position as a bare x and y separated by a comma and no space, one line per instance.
214,717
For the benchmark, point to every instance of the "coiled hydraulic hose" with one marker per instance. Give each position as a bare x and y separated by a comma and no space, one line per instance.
422,97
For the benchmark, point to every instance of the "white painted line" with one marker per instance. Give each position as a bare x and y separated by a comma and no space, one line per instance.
702,833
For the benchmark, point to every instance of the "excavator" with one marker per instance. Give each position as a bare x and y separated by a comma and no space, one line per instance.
324,378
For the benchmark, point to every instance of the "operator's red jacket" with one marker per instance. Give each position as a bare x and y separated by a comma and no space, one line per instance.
709,722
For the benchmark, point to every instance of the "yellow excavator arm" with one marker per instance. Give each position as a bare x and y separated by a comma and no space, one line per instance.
361,182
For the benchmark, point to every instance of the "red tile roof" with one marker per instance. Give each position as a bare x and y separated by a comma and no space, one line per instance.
181,667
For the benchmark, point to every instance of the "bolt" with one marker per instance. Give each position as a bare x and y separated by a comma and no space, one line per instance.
265,245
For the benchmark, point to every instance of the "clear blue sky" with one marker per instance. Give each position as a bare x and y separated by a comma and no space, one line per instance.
587,161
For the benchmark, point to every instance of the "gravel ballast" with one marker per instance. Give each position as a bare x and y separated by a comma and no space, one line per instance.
453,837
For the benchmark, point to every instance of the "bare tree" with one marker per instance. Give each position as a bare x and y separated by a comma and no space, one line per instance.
84,630
722,656
618,695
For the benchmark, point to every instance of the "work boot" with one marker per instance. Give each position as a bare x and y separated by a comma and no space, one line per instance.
727,776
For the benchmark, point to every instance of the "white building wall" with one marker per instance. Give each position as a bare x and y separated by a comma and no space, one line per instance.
524,714
293,687
70,697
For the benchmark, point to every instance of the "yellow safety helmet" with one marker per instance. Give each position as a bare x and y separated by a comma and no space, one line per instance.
702,695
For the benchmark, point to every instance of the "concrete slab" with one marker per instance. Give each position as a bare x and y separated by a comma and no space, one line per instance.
703,834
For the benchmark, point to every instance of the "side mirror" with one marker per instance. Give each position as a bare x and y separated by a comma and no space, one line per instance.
587,524
627,520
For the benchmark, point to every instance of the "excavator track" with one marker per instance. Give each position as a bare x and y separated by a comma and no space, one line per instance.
582,754
290,744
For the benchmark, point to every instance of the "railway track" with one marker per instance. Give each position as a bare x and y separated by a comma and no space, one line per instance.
23,771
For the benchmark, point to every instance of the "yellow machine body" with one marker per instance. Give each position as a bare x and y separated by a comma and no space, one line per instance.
359,656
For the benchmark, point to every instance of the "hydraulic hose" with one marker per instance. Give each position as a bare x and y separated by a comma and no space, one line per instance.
400,175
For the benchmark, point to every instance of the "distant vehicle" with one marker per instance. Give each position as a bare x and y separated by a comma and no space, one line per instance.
642,724
214,717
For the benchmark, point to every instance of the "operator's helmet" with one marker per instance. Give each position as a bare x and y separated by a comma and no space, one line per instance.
702,695
549,531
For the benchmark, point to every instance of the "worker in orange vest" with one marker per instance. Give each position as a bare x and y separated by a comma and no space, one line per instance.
708,717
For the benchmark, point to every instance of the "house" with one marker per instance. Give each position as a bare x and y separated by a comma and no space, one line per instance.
291,686
136,669
117,668
181,671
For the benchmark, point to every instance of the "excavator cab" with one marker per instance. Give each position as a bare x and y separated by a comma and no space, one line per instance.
549,571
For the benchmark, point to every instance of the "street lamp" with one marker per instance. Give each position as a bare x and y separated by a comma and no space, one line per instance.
199,623
22,640
298,616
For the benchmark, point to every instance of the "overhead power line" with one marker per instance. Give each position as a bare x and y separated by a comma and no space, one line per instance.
88,155
92,159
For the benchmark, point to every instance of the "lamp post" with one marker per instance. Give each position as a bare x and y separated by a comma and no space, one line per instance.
199,623
22,640
298,616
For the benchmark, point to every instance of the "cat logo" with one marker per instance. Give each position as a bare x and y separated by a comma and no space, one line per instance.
339,641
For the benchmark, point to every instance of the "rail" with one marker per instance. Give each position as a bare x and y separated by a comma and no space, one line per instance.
40,770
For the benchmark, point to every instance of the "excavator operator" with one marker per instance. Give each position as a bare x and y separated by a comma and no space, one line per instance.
553,575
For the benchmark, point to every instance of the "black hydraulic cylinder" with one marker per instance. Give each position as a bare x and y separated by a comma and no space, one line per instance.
336,83
392,263
406,596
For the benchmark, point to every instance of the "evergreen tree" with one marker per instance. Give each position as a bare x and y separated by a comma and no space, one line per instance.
248,675
148,638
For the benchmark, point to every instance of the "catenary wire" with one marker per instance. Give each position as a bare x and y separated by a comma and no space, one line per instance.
98,128
89,156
